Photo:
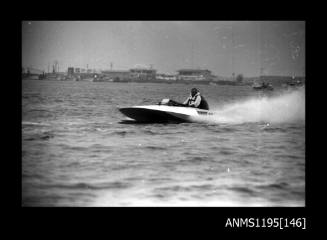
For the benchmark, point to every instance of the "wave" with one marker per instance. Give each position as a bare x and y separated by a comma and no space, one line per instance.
274,186
39,136
82,185
243,190
122,132
26,123
149,132
156,148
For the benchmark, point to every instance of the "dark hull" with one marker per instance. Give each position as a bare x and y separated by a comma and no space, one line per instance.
152,116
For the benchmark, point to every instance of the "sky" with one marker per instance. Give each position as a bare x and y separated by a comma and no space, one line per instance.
224,47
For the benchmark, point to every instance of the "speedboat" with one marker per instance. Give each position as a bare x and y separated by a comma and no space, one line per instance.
166,111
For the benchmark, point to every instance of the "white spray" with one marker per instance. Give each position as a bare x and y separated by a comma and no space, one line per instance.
286,107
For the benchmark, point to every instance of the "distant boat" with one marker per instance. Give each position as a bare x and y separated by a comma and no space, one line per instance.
263,86
295,83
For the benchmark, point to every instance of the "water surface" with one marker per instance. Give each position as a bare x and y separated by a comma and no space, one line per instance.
77,152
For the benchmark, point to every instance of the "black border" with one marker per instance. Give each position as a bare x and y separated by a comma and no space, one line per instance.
180,218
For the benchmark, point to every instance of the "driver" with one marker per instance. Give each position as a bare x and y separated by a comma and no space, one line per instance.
196,100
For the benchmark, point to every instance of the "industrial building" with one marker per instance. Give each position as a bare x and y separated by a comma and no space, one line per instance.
194,74
70,71
143,73
111,75
166,77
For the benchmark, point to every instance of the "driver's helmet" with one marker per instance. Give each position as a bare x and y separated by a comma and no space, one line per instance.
194,91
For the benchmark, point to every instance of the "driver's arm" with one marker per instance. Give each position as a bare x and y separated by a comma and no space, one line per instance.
186,101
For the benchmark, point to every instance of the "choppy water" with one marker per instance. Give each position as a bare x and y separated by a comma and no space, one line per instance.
76,151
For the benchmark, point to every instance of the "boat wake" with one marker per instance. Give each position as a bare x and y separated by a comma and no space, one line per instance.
284,108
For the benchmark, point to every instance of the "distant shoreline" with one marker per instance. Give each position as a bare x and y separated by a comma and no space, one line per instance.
203,82
274,80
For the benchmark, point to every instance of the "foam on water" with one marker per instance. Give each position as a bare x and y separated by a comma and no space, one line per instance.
286,107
